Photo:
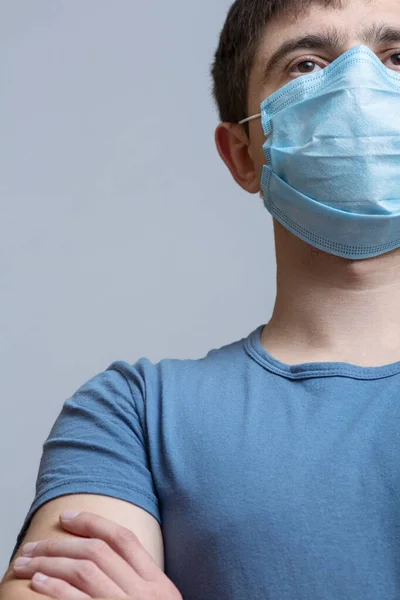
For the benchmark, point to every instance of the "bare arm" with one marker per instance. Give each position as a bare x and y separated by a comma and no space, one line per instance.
45,525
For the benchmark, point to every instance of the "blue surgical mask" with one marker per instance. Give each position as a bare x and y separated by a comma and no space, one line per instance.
333,153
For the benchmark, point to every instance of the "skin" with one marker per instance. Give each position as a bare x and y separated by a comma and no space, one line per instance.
327,308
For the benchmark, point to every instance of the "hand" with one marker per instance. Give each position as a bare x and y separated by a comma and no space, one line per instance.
105,560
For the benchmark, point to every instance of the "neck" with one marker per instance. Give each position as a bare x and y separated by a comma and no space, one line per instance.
333,309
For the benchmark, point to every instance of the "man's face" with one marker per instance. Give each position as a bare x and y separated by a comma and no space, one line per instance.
375,24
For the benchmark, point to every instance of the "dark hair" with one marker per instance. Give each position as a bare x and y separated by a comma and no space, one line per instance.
239,42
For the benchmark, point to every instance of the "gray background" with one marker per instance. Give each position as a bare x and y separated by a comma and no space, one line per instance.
122,233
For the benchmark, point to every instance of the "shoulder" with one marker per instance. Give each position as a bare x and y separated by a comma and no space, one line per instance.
125,388
143,376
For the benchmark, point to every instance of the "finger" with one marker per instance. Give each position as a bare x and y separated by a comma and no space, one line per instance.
97,551
82,574
120,539
56,588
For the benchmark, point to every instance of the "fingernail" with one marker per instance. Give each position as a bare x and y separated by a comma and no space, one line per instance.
22,562
29,548
40,577
68,515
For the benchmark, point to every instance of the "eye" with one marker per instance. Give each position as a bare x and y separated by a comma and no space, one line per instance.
393,61
306,66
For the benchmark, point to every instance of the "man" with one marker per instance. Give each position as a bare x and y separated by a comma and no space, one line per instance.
269,468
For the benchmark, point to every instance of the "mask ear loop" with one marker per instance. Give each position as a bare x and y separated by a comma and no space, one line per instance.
252,119
243,121
249,119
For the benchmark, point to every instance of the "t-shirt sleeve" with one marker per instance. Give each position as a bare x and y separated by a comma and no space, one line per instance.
98,445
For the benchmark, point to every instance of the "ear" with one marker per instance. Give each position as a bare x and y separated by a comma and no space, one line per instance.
233,146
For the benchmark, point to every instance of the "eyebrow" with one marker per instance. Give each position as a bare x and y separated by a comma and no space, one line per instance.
329,40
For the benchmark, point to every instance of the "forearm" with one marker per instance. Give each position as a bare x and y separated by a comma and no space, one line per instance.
19,590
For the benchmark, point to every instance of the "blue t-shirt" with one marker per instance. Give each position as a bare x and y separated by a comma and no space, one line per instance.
270,481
